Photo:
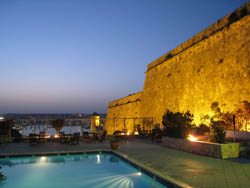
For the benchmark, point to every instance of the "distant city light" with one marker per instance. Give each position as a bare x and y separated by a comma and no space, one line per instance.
1,118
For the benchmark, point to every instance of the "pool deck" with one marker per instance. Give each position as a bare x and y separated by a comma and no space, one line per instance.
194,170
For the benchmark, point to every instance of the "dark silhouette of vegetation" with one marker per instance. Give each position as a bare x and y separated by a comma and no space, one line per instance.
6,126
177,124
217,132
242,114
58,124
202,129
95,114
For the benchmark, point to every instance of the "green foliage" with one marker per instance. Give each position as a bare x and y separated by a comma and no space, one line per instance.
217,132
177,124
202,129
58,124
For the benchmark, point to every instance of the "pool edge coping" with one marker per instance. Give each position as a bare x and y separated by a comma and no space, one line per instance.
162,178
153,173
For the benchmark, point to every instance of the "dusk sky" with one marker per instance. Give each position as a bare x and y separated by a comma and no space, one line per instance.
74,56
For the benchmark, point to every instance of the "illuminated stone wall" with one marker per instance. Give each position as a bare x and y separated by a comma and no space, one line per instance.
127,107
213,66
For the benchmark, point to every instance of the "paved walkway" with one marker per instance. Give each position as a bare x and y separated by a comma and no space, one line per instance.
195,170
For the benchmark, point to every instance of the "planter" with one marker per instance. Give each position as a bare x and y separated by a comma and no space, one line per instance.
114,145
222,151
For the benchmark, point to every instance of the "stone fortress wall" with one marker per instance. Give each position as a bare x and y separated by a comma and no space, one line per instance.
127,107
213,66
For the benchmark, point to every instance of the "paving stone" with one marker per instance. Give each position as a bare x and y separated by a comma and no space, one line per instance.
195,170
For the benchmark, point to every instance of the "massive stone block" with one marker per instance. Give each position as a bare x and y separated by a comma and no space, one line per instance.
213,66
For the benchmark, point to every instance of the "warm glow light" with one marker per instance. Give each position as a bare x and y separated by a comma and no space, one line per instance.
56,136
191,138
97,122
98,159
1,118
136,133
122,133
43,159
128,133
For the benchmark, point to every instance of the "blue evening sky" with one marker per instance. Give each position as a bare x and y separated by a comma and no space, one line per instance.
67,56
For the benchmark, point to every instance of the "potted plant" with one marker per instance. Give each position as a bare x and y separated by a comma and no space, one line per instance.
115,142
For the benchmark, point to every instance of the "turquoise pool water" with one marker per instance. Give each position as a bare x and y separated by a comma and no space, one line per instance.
73,171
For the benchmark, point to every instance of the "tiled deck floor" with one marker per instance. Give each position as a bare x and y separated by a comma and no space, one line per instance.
195,170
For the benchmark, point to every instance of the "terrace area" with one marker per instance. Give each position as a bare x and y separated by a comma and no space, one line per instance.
181,167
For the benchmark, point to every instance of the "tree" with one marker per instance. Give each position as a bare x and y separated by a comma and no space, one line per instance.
58,124
95,114
242,114
177,124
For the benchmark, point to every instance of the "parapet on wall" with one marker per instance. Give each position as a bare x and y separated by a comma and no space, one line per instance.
213,66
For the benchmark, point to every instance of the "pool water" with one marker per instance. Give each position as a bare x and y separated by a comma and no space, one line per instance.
73,171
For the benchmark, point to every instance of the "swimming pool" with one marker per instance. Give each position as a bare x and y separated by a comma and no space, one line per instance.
102,170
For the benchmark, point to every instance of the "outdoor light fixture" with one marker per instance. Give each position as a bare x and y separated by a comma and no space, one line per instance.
56,136
136,133
128,133
43,159
192,138
98,159
1,118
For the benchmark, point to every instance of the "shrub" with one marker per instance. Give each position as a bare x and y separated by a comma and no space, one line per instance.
177,124
242,113
217,132
202,129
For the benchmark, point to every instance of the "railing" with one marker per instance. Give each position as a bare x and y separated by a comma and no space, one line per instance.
20,124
